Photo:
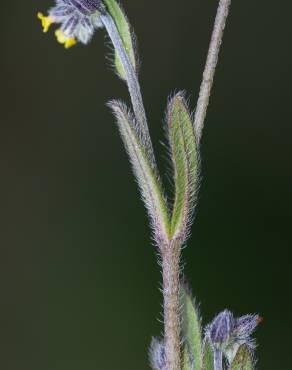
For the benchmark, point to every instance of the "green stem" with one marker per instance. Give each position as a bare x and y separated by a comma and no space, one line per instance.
171,272
218,359
132,82
210,67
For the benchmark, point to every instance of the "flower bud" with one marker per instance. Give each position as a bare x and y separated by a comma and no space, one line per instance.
157,355
227,334
221,329
245,325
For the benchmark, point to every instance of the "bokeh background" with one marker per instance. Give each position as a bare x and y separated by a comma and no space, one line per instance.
80,285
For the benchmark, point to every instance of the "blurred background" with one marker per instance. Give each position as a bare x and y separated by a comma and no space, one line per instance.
80,284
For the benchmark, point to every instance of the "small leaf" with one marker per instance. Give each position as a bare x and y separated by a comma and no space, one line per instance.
191,329
243,359
144,170
185,161
126,35
208,356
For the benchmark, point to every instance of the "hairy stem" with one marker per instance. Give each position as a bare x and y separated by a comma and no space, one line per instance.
170,270
210,67
218,358
132,80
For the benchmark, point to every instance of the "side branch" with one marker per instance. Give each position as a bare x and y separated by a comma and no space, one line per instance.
132,82
210,67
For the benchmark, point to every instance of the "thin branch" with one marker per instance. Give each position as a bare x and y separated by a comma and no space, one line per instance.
132,82
210,67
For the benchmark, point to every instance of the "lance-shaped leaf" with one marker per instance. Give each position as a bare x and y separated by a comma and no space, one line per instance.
126,35
191,329
208,356
187,365
243,359
185,159
144,171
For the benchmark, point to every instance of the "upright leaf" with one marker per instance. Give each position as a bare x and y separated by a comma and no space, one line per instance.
147,179
191,329
126,35
208,356
187,365
243,359
185,159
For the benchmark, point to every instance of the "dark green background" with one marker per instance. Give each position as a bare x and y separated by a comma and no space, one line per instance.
80,283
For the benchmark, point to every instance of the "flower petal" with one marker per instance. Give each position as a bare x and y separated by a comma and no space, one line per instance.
69,27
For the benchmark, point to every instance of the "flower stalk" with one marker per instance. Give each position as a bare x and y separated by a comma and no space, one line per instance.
171,251
218,359
131,80
210,66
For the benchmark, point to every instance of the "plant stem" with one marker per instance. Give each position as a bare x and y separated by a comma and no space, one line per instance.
170,271
131,79
218,358
210,67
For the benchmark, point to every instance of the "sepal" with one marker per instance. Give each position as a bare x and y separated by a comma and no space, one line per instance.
243,359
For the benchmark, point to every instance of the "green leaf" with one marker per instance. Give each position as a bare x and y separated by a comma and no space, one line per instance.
243,359
191,329
208,356
185,161
144,170
126,35
186,360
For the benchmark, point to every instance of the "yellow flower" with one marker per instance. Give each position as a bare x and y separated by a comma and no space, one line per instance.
77,20
63,39
46,21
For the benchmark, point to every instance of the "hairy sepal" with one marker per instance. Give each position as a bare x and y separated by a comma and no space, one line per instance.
145,173
157,355
185,159
243,359
191,330
127,37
